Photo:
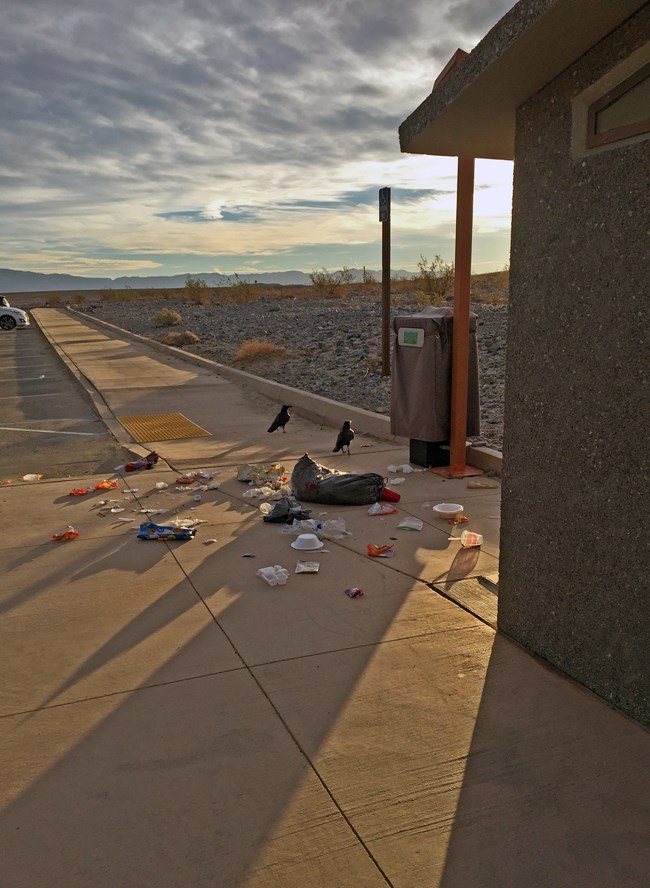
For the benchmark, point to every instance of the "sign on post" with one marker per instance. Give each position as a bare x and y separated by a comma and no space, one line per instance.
384,204
384,218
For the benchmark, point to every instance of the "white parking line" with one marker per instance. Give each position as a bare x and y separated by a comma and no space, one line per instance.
24,379
50,432
17,397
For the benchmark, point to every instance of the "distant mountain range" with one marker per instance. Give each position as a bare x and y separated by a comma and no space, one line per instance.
12,281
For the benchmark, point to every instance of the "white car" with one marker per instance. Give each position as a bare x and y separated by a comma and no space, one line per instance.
11,317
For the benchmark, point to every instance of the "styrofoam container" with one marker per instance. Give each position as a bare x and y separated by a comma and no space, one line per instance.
448,510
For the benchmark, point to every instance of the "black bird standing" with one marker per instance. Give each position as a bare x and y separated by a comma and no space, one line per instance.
281,419
344,438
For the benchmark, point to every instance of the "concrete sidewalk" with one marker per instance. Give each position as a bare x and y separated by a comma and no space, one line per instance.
167,719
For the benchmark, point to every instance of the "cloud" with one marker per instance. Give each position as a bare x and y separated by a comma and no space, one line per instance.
131,123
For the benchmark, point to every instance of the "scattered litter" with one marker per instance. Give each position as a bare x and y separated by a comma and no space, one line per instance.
126,519
274,576
482,485
458,519
188,522
150,531
382,509
318,484
79,491
389,496
197,498
334,529
130,490
117,509
160,485
152,511
187,478
385,551
6,481
468,539
69,534
309,525
265,492
287,509
107,485
146,462
248,555
273,474
209,542
410,523
307,567
31,477
214,485
405,468
354,592
307,542
394,481
448,510
366,445
42,376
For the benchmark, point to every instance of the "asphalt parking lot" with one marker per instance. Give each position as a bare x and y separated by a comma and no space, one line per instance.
47,426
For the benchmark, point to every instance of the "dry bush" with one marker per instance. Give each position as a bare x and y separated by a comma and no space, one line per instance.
78,299
426,300
53,299
179,339
252,349
166,317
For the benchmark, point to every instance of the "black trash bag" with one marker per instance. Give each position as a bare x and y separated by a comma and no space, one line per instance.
286,511
317,484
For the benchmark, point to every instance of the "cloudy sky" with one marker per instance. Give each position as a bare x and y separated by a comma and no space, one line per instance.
173,136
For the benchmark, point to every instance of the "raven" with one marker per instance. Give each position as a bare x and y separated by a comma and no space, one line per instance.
281,419
344,438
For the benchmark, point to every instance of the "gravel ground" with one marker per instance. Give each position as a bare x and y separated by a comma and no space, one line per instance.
333,346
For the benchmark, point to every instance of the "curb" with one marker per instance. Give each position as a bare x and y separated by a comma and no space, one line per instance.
99,405
314,407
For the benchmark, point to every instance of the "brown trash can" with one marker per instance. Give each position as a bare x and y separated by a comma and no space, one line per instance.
420,402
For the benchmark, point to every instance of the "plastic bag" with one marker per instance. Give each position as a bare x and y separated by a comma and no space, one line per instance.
334,529
381,509
287,510
69,534
385,551
151,531
107,485
410,523
318,484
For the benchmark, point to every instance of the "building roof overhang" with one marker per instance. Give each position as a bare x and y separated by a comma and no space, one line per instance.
471,112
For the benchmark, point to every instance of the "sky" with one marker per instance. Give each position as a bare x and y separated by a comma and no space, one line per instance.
150,137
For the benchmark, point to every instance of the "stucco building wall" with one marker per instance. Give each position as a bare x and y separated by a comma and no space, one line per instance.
574,562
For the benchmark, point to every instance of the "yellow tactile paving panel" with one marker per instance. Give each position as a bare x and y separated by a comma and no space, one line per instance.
161,427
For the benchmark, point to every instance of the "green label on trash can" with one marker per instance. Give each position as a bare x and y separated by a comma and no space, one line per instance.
410,336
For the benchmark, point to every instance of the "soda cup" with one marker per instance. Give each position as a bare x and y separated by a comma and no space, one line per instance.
468,539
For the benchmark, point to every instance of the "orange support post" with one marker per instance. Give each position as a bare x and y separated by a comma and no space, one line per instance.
460,354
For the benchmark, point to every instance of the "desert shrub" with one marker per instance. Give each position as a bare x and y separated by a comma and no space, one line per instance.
179,339
166,318
53,299
196,291
252,349
331,283
424,300
436,278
